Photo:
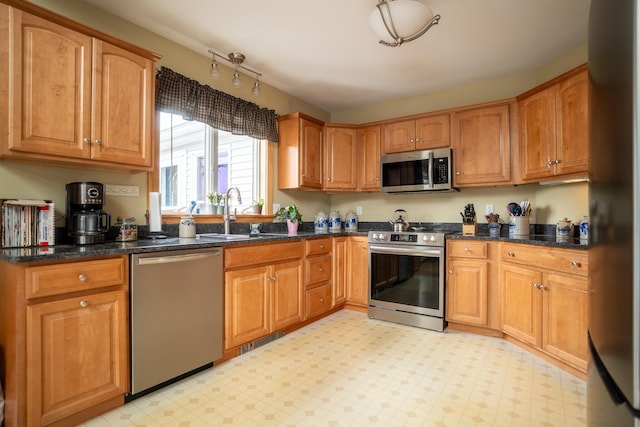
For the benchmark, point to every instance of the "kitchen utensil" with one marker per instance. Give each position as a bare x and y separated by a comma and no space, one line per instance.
400,223
514,209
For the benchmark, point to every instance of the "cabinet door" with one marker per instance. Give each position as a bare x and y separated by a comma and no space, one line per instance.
368,159
310,154
564,318
339,278
572,130
398,137
467,292
358,268
246,305
341,149
537,134
521,300
433,132
50,88
77,355
481,143
286,294
122,106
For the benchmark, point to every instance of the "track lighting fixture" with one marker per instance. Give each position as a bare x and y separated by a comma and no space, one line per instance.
237,59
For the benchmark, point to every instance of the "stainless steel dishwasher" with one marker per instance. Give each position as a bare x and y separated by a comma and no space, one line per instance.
176,316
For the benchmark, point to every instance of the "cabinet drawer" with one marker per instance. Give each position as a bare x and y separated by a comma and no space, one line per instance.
317,246
257,254
318,269
56,279
467,249
571,261
317,300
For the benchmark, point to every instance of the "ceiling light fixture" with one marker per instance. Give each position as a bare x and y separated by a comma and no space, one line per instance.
237,59
399,21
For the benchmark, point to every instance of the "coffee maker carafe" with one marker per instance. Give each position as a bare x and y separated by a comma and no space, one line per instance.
86,222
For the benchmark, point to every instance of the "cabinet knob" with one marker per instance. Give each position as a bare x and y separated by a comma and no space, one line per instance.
98,141
557,161
322,269
536,286
322,300
576,264
411,140
511,254
328,179
274,278
549,162
82,277
417,139
84,303
466,249
321,246
377,178
86,140
458,173
543,288
450,271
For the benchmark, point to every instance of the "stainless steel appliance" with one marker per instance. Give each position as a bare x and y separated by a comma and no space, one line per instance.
86,222
406,278
613,379
425,170
176,316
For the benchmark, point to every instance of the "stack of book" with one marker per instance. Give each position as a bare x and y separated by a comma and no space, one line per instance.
27,223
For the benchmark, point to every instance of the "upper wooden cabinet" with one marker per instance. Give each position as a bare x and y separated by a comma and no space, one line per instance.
368,164
76,98
299,152
482,145
419,134
554,138
341,157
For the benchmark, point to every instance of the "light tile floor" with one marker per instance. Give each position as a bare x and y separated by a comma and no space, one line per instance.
348,370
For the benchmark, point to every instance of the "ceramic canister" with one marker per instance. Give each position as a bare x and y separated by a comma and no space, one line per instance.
335,222
321,223
351,222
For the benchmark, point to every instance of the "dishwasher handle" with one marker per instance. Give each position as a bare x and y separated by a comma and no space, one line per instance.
176,258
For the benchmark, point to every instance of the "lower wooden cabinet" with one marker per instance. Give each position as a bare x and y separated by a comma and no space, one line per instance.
64,336
472,291
358,271
77,354
545,300
340,278
319,273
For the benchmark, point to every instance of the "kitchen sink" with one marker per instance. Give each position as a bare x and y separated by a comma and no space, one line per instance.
222,236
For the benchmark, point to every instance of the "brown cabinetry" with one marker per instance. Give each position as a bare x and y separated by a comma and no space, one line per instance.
368,160
544,300
554,137
318,276
74,316
358,271
482,145
340,278
76,98
341,157
418,134
299,152
263,290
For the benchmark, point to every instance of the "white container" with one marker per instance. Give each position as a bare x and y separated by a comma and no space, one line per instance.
321,223
187,228
519,226
335,222
584,229
351,222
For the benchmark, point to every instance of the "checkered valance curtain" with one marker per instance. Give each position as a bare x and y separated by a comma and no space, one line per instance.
178,94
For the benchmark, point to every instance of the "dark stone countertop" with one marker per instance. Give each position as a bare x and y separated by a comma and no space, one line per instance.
532,239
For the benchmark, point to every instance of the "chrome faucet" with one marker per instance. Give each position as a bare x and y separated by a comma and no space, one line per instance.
227,217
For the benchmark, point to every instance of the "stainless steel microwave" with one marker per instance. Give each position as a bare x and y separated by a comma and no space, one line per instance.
425,170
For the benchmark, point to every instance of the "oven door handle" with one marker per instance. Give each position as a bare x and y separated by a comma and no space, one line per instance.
403,250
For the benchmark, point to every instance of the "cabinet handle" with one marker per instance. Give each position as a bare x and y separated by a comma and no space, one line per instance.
411,140
511,254
549,162
98,141
536,286
458,173
84,303
328,179
377,178
417,139
558,161
87,140
321,299
450,271
274,278
543,288
82,277
466,249
321,246
321,269
576,264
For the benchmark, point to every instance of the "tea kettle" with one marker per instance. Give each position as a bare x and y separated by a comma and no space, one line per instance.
400,222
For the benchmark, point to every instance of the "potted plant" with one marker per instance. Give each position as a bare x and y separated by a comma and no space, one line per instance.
257,206
292,216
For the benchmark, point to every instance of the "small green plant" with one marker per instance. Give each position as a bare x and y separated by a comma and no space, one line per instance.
214,198
290,212
258,202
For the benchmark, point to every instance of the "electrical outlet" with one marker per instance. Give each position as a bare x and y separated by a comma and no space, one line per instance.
122,190
276,207
488,209
359,210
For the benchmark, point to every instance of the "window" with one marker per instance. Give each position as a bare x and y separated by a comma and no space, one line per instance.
196,159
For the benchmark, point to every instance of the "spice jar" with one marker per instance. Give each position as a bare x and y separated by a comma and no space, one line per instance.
128,230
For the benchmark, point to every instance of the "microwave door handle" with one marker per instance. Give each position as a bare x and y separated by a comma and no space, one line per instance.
431,169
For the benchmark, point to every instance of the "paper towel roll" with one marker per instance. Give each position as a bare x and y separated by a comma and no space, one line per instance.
155,218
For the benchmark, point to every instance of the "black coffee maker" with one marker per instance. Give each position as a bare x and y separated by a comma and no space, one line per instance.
86,222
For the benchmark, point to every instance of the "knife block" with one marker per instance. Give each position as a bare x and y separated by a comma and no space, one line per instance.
470,229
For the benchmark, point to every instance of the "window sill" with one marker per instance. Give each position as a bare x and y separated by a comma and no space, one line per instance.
174,218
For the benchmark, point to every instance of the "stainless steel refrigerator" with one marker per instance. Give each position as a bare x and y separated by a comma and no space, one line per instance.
613,383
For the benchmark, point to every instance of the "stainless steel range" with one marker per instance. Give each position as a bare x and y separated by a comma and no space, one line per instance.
406,278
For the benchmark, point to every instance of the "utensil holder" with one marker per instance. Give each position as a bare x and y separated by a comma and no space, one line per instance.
519,226
470,229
